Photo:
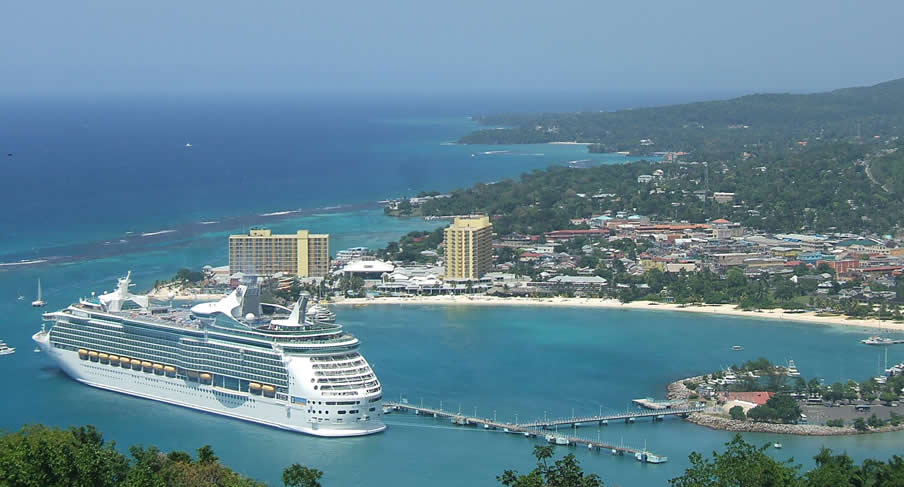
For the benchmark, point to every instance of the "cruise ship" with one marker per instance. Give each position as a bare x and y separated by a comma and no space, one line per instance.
281,371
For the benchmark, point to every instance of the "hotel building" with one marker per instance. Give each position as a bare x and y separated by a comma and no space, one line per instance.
262,253
469,248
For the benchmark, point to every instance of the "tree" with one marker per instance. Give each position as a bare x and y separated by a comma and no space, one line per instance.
565,472
297,475
206,455
742,464
737,413
860,425
888,397
39,456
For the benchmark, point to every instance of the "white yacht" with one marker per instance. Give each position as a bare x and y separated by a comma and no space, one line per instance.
6,349
283,371
40,301
878,340
792,369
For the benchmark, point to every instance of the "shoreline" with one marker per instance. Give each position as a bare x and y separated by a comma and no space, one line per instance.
677,390
719,309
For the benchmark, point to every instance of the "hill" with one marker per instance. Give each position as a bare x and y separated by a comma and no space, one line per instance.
761,123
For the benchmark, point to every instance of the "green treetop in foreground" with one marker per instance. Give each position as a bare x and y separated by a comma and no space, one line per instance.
38,456
741,465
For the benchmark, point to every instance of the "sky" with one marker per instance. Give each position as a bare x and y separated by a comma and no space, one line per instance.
424,46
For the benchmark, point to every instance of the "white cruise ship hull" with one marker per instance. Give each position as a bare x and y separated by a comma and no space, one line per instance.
207,398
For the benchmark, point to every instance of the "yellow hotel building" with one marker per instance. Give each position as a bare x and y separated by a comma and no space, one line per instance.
262,253
469,248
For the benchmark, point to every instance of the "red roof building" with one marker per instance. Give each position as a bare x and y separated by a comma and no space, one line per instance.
758,398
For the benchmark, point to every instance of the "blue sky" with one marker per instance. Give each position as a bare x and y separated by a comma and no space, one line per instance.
116,46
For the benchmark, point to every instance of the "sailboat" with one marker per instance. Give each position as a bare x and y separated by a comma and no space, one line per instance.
38,302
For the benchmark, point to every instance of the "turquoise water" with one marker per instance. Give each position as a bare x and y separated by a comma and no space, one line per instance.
512,360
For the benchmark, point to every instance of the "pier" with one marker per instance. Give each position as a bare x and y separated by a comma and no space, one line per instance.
628,417
528,430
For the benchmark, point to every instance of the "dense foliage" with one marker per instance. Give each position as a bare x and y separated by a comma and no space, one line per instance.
714,129
38,456
780,408
743,464
565,472
819,187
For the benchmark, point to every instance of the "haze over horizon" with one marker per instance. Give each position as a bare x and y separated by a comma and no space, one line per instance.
406,46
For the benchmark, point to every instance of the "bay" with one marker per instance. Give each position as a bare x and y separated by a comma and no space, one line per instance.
88,179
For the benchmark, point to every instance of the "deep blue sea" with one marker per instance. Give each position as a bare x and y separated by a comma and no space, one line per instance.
92,183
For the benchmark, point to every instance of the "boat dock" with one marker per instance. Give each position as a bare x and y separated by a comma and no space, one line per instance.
527,430
659,404
628,417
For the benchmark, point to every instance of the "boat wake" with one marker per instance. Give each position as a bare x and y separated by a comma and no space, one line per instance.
23,262
161,232
280,213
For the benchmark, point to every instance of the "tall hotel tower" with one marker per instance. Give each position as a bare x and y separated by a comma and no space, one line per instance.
469,248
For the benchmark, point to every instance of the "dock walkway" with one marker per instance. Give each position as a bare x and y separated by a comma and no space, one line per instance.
524,429
628,417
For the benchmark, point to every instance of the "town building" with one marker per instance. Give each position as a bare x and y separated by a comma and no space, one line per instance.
469,248
262,253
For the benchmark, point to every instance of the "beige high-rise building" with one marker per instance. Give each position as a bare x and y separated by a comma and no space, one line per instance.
263,253
469,248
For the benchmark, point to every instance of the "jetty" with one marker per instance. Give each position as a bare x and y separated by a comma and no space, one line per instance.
628,417
527,430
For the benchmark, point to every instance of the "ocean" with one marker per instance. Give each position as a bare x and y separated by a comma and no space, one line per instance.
99,187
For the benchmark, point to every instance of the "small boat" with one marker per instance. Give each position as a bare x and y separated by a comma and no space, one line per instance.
777,446
187,145
40,301
21,297
792,369
737,348
561,440
647,457
37,349
877,340
6,350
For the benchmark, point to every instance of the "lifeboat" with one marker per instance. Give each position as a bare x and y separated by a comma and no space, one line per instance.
136,364
103,357
83,354
146,365
255,388
114,360
205,377
170,370
158,369
269,391
92,355
191,374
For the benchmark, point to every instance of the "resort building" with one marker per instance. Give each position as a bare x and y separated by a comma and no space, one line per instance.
262,253
469,248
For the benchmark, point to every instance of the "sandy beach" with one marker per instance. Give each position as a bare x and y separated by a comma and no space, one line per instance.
719,309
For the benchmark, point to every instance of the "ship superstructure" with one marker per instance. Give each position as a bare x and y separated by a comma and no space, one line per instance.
282,371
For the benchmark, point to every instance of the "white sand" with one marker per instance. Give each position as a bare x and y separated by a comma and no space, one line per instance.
720,309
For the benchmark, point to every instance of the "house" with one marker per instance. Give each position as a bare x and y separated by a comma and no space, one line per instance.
644,178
